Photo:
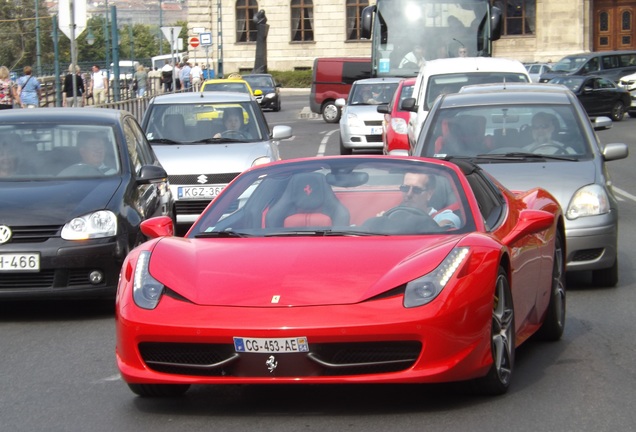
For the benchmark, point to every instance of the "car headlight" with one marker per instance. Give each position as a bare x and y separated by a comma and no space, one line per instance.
398,125
424,289
590,200
270,95
147,290
98,224
353,121
262,160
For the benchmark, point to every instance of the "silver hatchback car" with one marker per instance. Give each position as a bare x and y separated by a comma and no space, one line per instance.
361,123
529,135
204,140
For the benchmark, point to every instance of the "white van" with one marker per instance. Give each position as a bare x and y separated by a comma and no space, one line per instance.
448,75
127,69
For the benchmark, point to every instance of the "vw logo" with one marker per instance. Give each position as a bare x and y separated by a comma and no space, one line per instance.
5,234
202,179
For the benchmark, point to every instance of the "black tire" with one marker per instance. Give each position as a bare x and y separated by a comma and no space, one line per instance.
607,277
554,321
278,105
159,390
497,380
618,111
330,112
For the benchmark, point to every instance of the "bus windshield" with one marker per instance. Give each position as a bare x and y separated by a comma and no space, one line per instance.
405,33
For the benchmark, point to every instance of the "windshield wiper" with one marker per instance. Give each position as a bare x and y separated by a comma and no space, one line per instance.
222,234
524,155
163,141
321,233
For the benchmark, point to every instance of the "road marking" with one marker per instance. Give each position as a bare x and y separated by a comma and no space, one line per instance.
323,143
624,193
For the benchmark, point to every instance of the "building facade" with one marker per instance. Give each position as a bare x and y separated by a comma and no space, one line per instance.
301,30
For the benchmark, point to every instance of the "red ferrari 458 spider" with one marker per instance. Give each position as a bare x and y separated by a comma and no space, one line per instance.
358,269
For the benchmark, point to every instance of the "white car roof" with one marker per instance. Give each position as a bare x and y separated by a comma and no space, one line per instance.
469,64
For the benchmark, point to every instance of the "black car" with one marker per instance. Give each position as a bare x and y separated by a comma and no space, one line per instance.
270,90
598,95
75,185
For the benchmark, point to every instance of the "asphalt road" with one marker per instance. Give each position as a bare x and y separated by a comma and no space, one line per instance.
59,371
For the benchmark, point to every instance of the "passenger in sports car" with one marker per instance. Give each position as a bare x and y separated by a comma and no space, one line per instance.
417,189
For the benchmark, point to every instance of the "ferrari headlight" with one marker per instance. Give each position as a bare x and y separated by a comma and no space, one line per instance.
590,200
424,289
98,224
147,290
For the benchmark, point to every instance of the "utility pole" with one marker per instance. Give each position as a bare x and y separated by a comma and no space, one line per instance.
219,38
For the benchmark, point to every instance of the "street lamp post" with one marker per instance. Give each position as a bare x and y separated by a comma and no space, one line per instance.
160,25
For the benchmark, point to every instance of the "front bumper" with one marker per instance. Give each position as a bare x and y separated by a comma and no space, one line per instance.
591,242
67,269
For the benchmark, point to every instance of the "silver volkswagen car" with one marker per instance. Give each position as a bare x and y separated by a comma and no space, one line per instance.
529,135
204,140
361,123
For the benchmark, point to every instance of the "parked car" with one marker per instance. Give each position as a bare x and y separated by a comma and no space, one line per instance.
535,70
75,185
269,97
394,134
331,79
348,296
201,154
504,129
599,96
361,123
628,82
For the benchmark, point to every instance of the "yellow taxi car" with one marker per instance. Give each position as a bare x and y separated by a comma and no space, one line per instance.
233,83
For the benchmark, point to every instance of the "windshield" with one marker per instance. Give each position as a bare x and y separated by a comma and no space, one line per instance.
453,82
372,94
569,64
38,151
204,122
259,81
405,32
353,197
500,129
573,83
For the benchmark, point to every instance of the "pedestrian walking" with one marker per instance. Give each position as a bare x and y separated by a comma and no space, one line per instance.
166,77
8,89
196,75
69,98
141,80
185,76
99,86
29,89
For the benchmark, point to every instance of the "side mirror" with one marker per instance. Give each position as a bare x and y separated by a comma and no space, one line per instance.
383,109
409,104
150,173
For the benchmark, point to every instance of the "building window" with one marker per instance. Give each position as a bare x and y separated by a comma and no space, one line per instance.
245,27
354,12
519,16
626,24
603,21
302,20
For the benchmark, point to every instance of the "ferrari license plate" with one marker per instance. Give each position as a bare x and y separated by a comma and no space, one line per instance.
277,345
19,262
194,192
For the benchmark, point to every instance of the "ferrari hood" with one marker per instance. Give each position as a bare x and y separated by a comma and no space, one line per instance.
561,179
210,158
54,202
298,271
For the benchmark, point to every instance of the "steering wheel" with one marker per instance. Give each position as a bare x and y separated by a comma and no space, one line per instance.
406,210
560,150
233,134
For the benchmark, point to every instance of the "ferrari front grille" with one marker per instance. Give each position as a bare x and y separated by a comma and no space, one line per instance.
335,359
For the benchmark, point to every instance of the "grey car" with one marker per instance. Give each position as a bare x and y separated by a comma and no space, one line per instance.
503,128
360,122
201,154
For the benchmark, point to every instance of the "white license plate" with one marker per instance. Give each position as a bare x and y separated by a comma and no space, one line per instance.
20,262
376,130
276,345
194,192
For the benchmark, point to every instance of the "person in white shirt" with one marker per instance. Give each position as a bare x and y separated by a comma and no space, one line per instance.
99,86
196,75
414,58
